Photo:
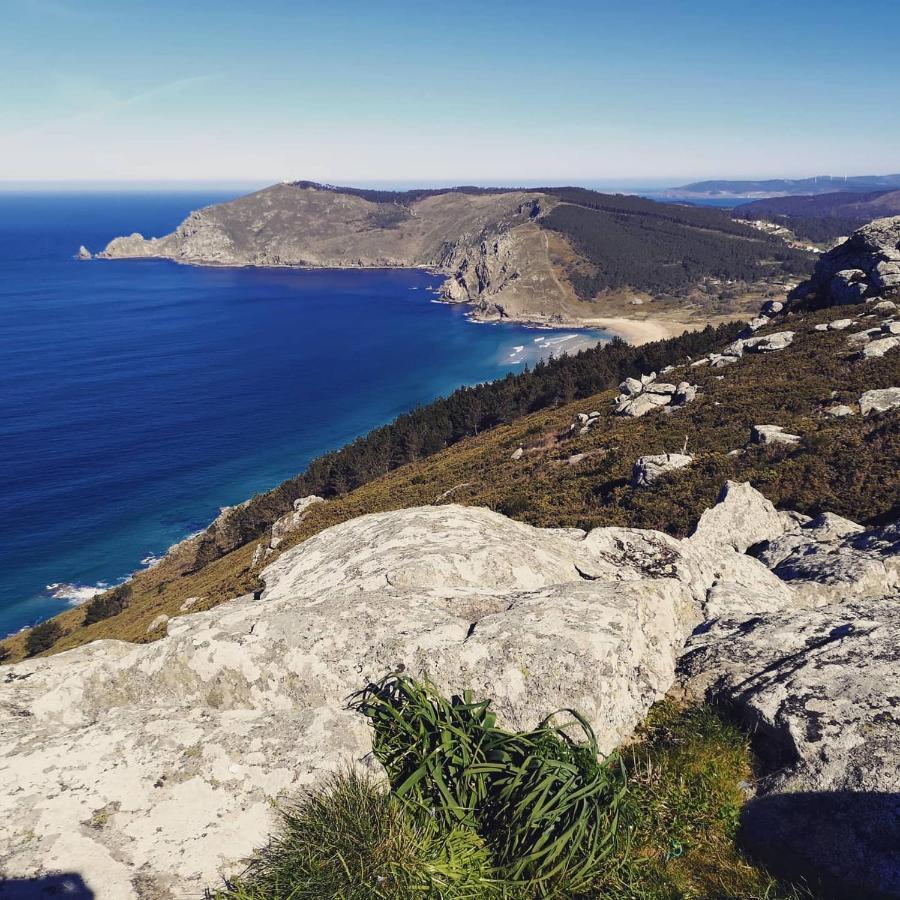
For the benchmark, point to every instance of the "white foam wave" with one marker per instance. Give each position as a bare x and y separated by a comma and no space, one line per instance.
76,594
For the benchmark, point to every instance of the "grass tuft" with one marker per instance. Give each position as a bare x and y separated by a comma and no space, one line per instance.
545,804
472,810
351,839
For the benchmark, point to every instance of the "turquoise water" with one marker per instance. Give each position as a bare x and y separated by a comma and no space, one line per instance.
139,397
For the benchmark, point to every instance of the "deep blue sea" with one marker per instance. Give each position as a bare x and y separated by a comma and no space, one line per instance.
139,397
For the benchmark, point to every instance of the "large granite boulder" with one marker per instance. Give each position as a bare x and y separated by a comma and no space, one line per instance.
820,691
741,517
866,265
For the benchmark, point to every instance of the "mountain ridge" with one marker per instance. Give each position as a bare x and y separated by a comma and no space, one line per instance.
775,187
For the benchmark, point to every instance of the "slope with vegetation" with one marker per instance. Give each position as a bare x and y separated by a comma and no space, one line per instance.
460,450
823,217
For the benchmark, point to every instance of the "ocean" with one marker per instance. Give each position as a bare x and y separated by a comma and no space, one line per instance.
139,397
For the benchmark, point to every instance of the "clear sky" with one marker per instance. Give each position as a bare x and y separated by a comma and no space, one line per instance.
440,92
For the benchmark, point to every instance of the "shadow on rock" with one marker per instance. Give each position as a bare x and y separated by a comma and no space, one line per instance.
68,886
845,844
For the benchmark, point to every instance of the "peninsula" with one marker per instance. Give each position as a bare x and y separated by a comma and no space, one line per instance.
550,256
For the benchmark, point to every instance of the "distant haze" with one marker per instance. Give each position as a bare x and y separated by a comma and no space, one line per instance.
645,94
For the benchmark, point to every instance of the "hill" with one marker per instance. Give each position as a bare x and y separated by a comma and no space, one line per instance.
823,217
550,255
779,187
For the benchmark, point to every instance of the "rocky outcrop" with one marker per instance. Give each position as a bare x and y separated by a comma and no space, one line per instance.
816,682
866,265
819,691
647,470
830,559
174,750
643,395
83,253
151,769
879,401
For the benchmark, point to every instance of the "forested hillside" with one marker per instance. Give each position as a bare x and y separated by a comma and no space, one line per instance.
824,217
661,248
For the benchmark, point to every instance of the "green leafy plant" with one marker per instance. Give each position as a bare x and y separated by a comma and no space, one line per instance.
544,803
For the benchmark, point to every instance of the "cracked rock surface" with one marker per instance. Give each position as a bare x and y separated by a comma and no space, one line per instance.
151,769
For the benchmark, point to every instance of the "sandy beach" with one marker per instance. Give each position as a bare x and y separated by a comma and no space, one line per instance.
637,331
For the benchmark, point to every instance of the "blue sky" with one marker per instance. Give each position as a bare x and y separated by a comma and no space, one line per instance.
429,92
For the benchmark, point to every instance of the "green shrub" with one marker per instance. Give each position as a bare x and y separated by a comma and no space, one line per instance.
351,839
107,604
544,804
42,637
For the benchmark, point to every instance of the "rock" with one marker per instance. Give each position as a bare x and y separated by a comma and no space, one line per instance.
757,323
717,360
741,517
772,434
631,387
879,401
648,379
291,522
189,603
700,362
885,306
890,328
831,559
84,253
576,458
259,555
824,527
519,452
877,349
582,417
584,430
660,387
648,469
839,410
863,337
818,689
771,307
184,742
793,519
644,403
849,286
684,393
866,265
768,342
840,324
822,326
159,622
